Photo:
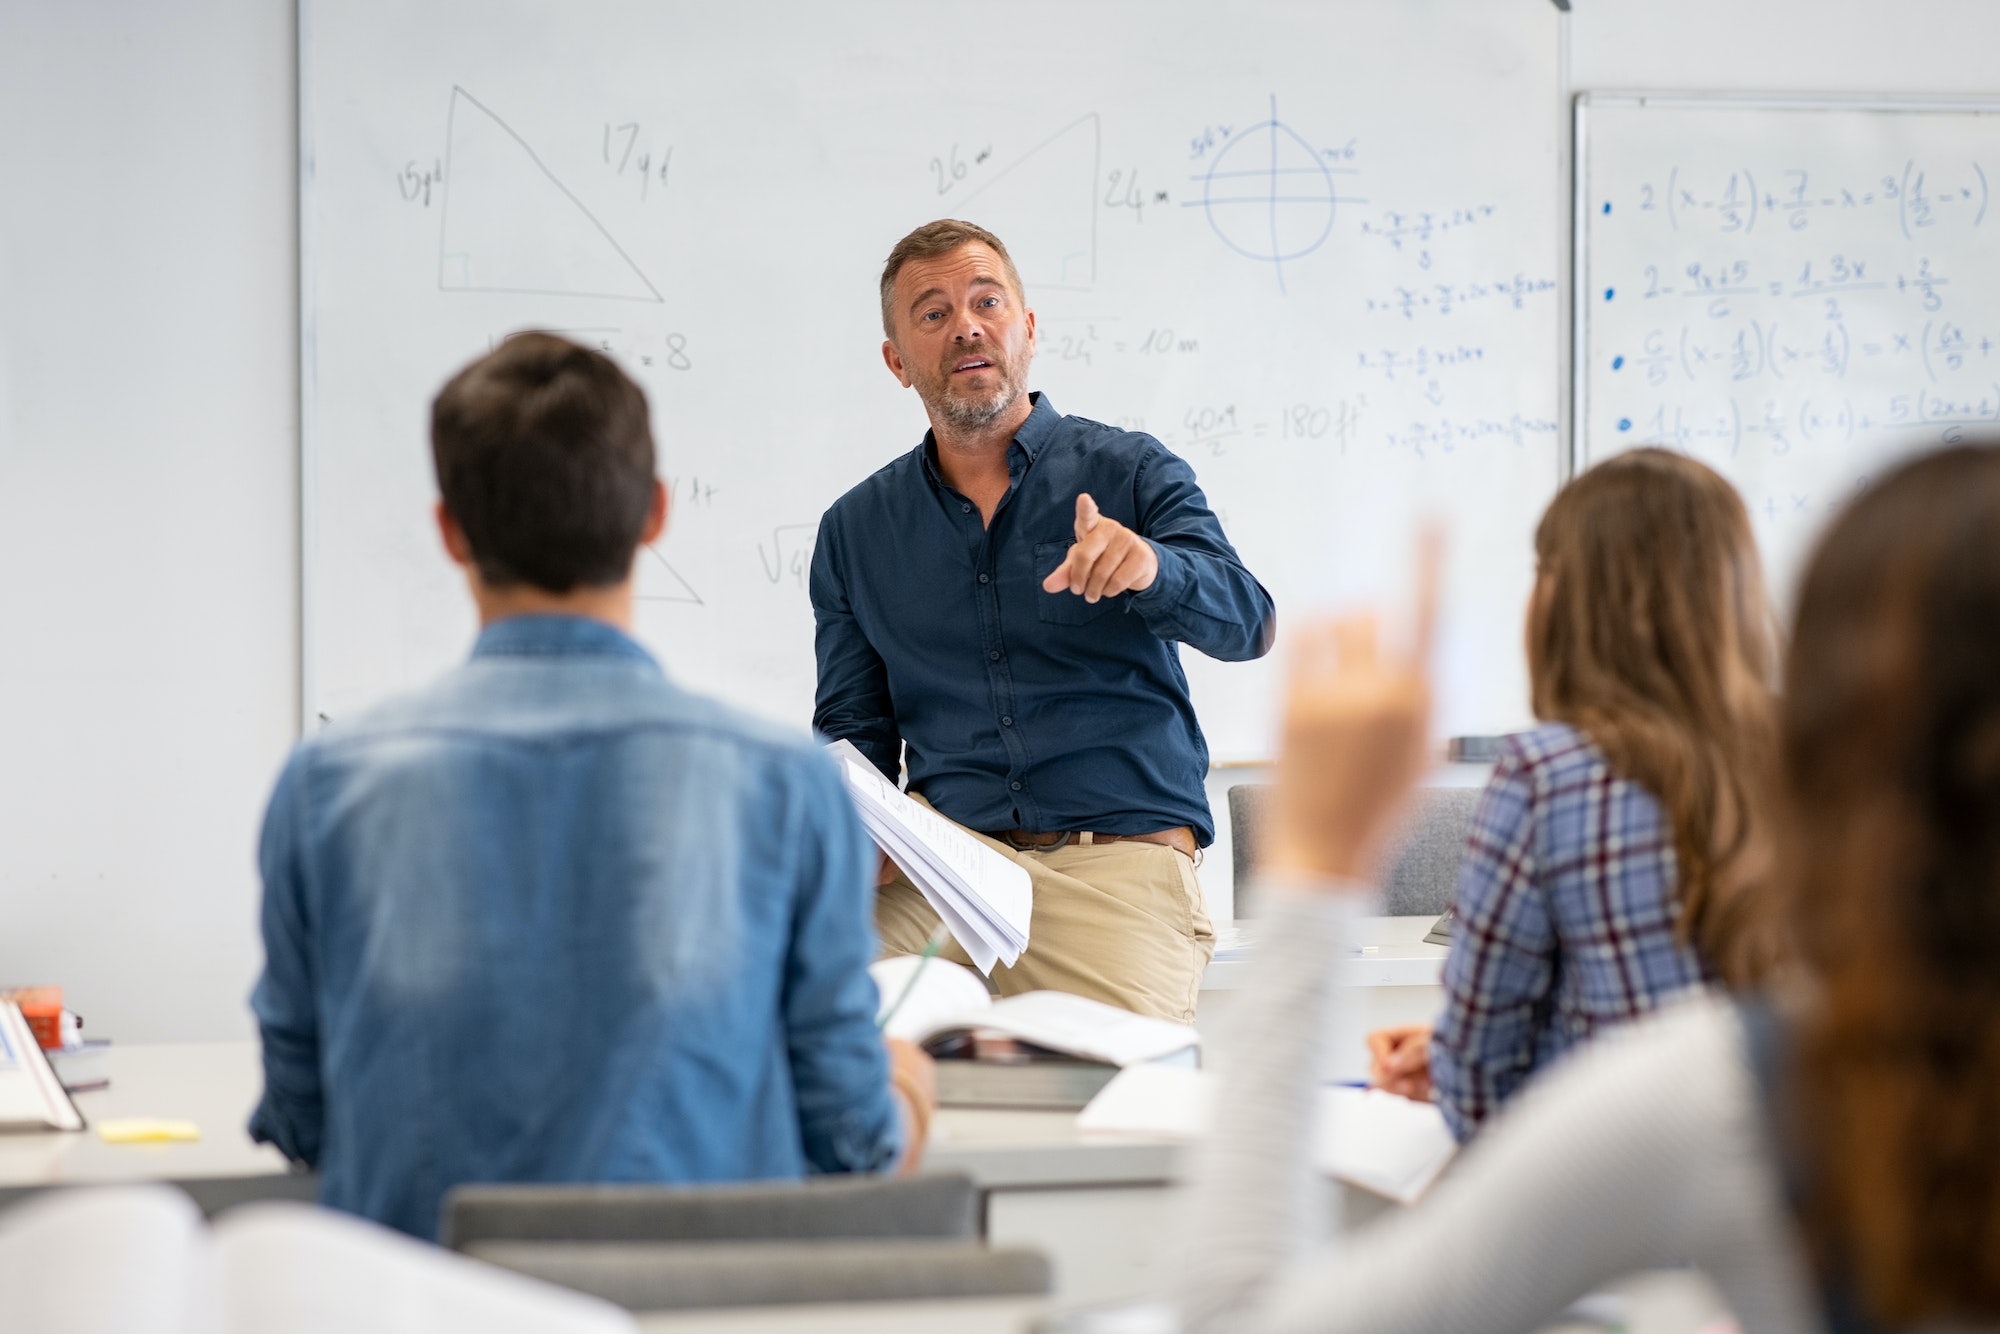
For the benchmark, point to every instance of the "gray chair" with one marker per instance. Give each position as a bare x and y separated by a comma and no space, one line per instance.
835,1239
1423,865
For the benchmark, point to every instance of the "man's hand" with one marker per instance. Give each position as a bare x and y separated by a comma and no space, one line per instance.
1399,1060
1108,558
886,871
913,1081
1356,722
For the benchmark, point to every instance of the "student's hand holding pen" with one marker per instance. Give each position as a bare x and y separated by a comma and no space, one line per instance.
1399,1060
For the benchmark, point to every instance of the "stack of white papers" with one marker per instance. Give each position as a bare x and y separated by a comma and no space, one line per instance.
983,898
1365,1137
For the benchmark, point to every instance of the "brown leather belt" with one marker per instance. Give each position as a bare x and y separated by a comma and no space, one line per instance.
1180,838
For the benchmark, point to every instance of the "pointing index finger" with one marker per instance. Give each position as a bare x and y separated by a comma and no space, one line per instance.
1087,513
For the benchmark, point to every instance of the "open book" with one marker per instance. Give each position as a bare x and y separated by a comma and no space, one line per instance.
983,898
31,1097
139,1260
948,1000
1365,1137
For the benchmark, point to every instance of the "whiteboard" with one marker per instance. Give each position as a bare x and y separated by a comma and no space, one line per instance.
1314,248
1797,293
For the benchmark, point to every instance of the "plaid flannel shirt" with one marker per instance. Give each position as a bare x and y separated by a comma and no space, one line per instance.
1565,920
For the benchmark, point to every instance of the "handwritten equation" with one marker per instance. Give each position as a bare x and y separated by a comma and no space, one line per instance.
1915,197
1795,296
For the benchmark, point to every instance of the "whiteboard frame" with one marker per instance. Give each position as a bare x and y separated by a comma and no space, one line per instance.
309,716
1580,224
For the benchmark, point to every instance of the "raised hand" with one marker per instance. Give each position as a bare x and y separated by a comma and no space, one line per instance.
1108,558
1356,725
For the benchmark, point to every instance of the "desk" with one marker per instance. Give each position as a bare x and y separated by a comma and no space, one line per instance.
1092,1203
1098,1205
213,1084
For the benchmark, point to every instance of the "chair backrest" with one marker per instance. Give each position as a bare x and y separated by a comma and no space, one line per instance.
946,1205
668,1276
1423,864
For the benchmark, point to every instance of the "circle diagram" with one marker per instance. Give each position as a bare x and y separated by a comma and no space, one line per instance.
1268,196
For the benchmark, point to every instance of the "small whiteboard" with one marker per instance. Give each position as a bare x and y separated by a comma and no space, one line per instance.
1798,293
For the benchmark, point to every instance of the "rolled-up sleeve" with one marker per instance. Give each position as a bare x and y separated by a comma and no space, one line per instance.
1203,595
840,1071
291,1113
851,701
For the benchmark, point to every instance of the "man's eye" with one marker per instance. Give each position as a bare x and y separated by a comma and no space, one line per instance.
933,315
990,301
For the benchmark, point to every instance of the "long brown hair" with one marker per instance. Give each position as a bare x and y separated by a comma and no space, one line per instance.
1650,632
1891,854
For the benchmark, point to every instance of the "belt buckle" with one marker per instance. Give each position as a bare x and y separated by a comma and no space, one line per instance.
1022,841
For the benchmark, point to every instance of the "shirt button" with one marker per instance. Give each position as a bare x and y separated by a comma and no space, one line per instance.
985,578
1006,720
993,655
1015,786
965,509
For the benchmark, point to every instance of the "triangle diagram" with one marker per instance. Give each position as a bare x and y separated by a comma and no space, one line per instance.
661,582
511,226
1044,206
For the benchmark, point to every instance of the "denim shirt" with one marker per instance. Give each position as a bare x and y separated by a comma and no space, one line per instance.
554,919
1020,708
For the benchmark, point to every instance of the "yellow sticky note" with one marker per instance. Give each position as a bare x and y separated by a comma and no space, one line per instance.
146,1130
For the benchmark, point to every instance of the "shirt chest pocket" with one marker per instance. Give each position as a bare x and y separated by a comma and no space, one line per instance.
1064,608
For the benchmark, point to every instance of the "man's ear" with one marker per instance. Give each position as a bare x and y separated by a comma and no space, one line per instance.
656,515
894,361
455,544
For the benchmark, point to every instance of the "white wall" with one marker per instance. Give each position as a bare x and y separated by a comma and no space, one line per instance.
1823,46
148,497
148,445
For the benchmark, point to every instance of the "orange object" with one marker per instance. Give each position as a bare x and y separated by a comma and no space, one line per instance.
42,1008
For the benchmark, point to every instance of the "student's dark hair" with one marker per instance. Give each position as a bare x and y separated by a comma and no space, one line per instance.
545,459
1651,634
1890,849
928,242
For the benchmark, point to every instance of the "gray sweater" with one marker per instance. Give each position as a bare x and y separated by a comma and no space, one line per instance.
1648,1149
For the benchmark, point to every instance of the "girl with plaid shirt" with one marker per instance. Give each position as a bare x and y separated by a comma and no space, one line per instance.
1613,858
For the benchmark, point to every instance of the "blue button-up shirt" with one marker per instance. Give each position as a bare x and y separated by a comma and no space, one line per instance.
554,919
1026,709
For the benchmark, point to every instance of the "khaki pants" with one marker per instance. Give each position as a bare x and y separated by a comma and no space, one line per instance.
1118,922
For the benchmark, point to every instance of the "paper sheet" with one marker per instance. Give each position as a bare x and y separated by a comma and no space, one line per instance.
1378,1141
983,898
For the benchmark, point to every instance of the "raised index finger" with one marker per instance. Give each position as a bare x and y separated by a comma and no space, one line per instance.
1430,565
1086,513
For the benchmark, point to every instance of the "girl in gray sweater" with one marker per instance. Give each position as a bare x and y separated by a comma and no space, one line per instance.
1832,1163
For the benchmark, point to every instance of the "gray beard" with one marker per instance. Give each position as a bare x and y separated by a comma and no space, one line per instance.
964,416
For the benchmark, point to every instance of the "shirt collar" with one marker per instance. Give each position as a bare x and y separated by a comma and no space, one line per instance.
1030,439
556,636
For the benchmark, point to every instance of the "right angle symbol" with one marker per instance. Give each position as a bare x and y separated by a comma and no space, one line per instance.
1269,196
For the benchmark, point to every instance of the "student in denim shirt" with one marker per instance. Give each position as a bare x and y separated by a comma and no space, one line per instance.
1614,858
553,918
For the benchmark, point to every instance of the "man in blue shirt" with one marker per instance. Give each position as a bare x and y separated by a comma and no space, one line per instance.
1006,600
552,918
